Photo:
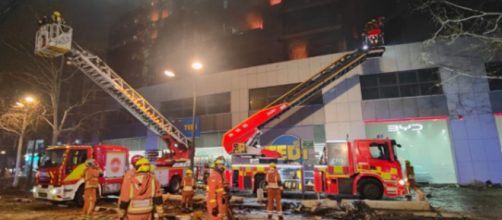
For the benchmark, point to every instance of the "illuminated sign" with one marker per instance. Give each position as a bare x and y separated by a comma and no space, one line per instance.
289,152
410,127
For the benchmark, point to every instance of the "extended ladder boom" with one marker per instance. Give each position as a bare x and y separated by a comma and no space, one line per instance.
241,139
99,72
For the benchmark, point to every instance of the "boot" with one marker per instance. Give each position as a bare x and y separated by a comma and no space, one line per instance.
280,217
269,216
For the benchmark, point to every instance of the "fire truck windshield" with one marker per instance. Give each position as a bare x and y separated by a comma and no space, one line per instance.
52,158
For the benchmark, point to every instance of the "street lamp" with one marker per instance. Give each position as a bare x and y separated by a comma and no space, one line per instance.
24,104
3,152
197,66
169,73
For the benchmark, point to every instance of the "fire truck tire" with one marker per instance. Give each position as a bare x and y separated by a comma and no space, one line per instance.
259,182
370,189
79,197
174,185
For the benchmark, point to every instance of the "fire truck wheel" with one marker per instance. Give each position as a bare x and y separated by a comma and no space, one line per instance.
174,185
370,189
79,197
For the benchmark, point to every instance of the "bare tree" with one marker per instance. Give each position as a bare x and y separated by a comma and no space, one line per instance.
64,93
17,120
469,26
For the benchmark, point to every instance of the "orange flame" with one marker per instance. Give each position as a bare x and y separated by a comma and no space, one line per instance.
254,20
298,49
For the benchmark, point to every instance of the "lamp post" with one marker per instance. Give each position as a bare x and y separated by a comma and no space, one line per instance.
197,66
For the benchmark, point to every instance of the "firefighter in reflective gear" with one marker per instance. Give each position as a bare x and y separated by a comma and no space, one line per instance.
274,188
132,171
91,180
187,192
140,195
215,201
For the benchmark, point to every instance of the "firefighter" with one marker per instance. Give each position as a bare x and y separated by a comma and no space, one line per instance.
140,195
91,179
274,190
187,192
132,171
56,17
215,201
410,174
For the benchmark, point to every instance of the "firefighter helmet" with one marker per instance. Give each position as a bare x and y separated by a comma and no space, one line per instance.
218,162
272,165
142,165
135,159
56,13
90,162
189,171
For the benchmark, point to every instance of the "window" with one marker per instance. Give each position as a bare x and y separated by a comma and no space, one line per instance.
494,71
401,84
52,158
261,97
379,151
205,105
76,157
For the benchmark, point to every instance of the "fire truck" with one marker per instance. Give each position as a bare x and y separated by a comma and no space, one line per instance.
54,40
59,177
361,174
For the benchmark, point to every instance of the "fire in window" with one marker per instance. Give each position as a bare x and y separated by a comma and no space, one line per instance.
298,49
254,20
275,2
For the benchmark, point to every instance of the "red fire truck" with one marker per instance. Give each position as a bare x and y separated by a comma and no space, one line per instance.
365,175
368,168
59,177
55,39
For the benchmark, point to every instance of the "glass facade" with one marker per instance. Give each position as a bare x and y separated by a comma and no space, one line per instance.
426,143
401,84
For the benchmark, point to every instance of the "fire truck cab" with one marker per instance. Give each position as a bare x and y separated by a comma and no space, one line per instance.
61,169
368,168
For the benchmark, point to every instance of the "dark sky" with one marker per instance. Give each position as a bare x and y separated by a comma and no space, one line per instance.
18,19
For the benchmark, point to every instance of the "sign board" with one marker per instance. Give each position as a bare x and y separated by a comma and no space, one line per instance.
115,164
185,126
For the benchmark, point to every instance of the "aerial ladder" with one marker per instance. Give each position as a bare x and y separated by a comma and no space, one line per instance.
55,39
243,139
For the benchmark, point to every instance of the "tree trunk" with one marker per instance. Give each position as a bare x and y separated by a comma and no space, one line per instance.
55,135
19,152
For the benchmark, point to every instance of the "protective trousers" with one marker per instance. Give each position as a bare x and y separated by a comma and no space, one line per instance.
89,201
187,199
274,194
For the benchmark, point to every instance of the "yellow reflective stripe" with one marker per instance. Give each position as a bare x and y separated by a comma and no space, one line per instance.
212,201
220,190
77,173
153,187
260,169
393,171
130,192
338,169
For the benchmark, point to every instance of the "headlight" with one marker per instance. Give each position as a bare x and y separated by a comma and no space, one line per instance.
34,190
402,182
56,191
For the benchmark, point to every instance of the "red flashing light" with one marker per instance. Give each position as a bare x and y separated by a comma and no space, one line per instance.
407,119
498,114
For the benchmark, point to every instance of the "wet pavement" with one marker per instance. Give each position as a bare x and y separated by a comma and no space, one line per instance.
480,201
